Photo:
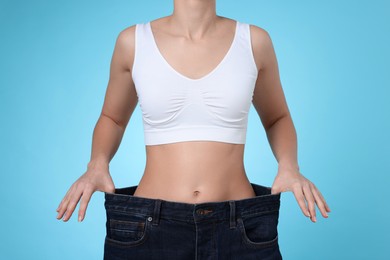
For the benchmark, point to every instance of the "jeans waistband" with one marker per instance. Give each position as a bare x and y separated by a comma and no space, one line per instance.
123,200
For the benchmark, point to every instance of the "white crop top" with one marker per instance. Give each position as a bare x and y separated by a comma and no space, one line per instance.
176,108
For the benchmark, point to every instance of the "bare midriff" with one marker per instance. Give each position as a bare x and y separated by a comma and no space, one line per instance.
195,172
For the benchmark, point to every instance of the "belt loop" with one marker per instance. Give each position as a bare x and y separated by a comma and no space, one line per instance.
156,213
232,213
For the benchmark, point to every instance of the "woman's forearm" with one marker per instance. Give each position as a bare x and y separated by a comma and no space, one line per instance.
107,137
283,141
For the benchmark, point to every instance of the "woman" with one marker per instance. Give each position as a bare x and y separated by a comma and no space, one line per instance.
195,75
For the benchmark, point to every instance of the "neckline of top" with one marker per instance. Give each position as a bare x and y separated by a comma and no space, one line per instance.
149,27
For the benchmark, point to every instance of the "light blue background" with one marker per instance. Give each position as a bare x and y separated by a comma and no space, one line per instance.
334,64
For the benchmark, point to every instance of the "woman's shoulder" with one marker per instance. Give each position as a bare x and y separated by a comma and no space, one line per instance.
125,45
261,44
259,34
127,33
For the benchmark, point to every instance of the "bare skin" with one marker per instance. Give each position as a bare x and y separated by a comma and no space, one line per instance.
194,40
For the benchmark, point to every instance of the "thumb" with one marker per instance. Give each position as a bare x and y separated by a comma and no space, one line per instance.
108,185
275,189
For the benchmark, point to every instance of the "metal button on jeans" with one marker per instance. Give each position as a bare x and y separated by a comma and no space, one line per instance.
200,211
203,211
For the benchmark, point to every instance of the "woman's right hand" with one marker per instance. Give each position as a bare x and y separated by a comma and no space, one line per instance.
94,179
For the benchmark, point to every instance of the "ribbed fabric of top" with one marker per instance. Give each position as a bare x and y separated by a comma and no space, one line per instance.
176,108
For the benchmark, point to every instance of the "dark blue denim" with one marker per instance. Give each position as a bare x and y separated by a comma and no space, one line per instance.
146,228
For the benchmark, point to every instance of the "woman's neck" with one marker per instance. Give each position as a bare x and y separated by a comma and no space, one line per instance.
194,18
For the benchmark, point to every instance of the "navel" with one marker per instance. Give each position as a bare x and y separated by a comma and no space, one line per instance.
196,193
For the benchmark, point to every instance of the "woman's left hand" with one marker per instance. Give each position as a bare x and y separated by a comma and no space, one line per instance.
288,179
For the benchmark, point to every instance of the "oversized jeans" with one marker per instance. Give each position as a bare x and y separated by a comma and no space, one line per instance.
145,228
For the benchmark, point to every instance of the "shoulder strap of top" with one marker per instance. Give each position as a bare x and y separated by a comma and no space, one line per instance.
245,33
143,47
140,35
245,49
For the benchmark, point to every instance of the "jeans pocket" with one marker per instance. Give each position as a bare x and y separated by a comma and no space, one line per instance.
126,230
259,230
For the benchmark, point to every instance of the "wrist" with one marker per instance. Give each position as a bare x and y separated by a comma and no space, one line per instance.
288,166
98,164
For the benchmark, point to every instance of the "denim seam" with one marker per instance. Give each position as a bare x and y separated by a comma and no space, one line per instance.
129,213
259,213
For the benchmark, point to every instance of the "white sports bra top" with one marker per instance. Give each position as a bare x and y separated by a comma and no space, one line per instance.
176,108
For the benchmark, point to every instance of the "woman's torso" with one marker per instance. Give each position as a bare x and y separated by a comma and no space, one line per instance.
194,171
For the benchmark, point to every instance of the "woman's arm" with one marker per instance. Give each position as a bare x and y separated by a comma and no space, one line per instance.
119,104
270,103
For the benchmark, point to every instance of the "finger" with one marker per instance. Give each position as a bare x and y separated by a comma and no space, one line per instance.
62,208
310,201
320,203
84,203
301,200
323,199
64,203
64,198
72,204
